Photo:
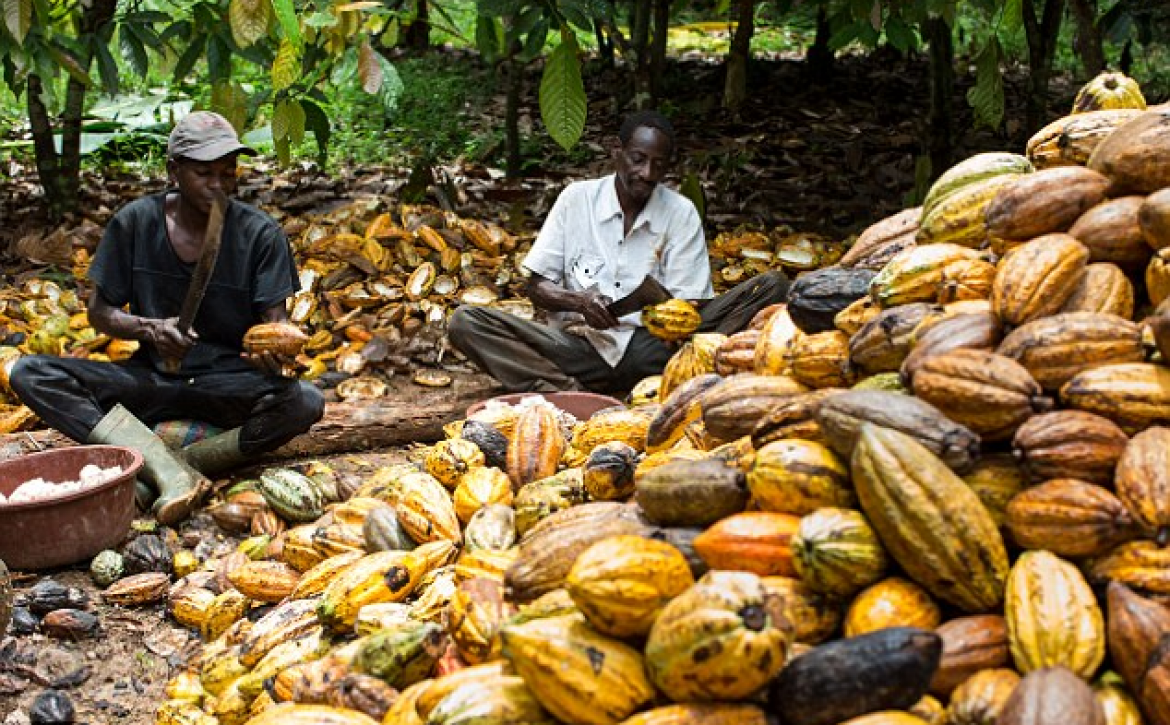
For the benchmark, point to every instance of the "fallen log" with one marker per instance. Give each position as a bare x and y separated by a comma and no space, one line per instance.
345,427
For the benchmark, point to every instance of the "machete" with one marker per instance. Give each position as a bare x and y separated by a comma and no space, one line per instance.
212,239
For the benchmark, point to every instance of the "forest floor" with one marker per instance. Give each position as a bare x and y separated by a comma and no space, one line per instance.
826,157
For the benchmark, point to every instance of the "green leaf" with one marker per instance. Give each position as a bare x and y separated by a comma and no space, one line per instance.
317,122
389,37
296,121
562,94
369,70
283,150
219,58
488,37
107,68
392,88
18,18
230,101
900,35
286,66
692,188
280,120
248,20
498,8
187,60
1012,20
286,15
70,64
534,43
986,96
320,20
133,51
846,34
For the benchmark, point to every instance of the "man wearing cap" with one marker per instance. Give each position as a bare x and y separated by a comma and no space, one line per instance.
141,272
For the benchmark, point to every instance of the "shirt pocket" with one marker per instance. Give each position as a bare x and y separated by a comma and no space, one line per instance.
586,269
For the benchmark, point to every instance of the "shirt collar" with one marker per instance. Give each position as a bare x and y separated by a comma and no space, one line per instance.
609,206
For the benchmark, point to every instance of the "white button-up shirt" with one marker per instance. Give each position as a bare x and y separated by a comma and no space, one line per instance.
583,246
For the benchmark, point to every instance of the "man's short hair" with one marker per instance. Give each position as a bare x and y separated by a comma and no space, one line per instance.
645,119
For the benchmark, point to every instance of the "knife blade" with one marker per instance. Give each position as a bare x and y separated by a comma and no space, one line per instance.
201,276
649,292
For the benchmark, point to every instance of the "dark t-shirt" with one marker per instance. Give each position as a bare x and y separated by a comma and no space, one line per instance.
136,265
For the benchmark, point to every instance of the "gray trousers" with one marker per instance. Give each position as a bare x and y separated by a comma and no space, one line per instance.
72,395
530,357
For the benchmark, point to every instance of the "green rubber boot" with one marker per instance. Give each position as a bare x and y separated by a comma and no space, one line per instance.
217,454
144,495
180,486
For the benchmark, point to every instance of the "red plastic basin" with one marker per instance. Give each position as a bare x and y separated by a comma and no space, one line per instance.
73,528
579,405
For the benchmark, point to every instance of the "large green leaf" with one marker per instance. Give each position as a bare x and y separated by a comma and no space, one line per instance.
900,35
107,68
133,50
286,15
489,37
562,94
1013,16
230,100
18,18
986,96
317,122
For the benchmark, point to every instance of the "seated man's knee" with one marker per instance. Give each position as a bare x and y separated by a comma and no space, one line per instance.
26,375
314,401
459,324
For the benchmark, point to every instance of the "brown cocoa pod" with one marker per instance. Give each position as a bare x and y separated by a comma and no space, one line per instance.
1047,201
969,645
1134,627
1069,444
70,624
1070,518
1052,696
1154,694
975,331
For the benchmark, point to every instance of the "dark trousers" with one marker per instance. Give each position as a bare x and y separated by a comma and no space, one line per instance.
72,395
529,357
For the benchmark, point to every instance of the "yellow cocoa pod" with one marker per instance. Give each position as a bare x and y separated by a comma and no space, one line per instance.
1052,616
621,583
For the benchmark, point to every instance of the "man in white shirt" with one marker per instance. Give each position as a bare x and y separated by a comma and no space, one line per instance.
602,238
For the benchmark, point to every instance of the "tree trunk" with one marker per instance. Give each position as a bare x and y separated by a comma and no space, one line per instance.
739,55
658,49
1042,36
418,34
1088,42
514,79
640,40
941,135
60,172
819,56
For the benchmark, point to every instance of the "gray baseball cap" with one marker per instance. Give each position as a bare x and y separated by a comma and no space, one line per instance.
205,136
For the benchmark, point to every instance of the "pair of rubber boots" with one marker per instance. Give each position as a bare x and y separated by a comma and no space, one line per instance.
180,478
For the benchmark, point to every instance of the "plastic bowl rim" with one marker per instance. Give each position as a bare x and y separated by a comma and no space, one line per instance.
132,470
